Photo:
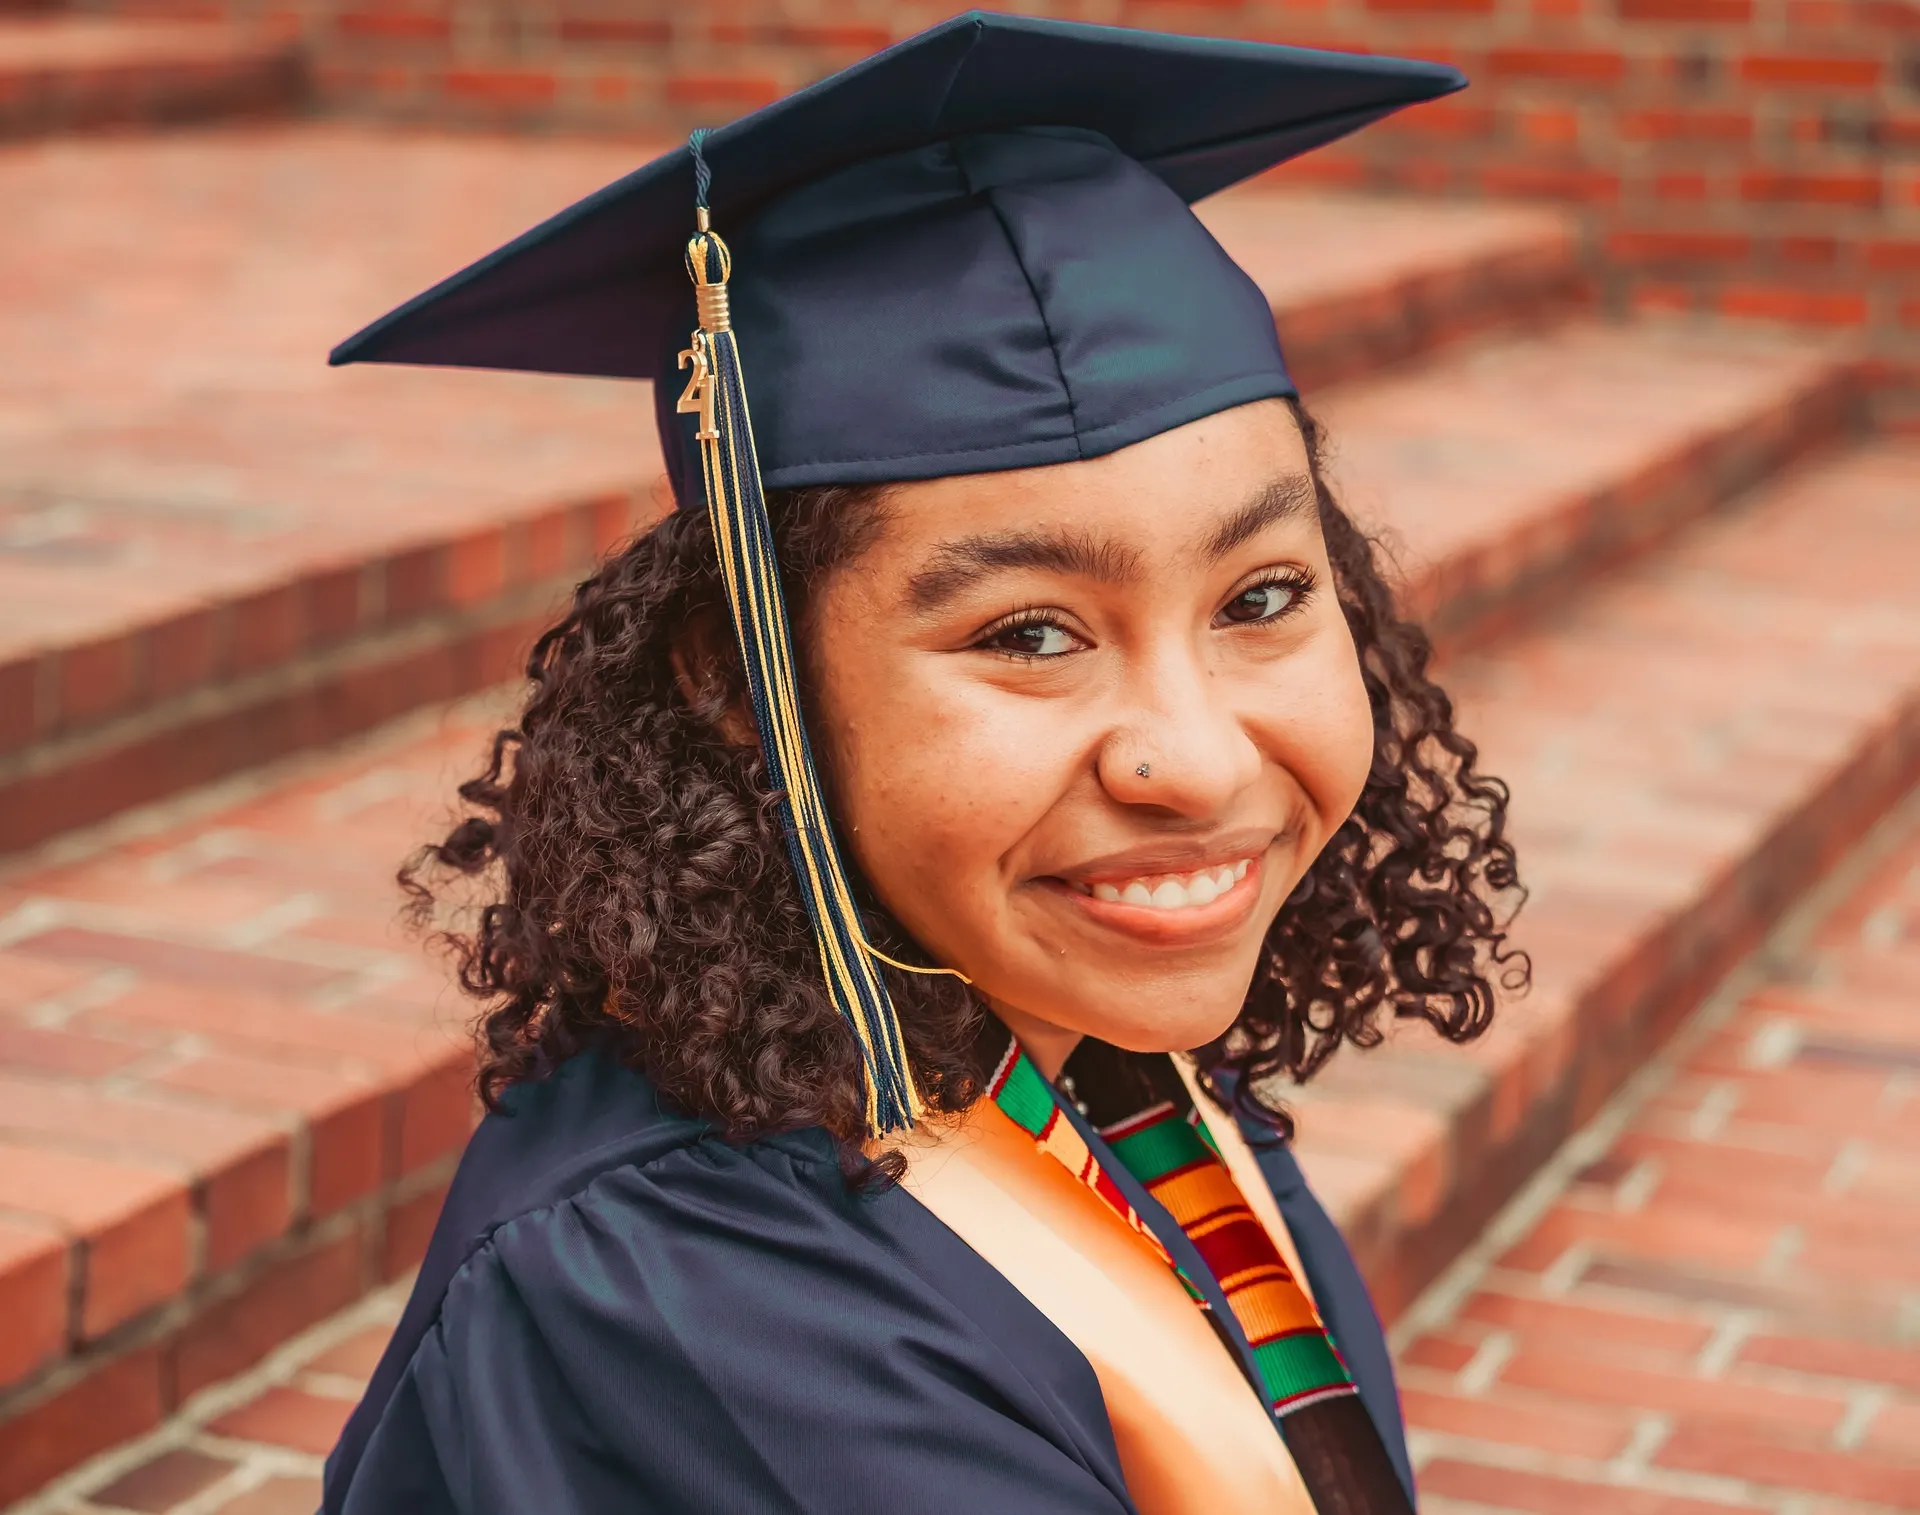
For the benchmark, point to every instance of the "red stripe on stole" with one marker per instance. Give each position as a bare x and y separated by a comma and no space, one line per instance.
1239,1245
1151,1116
1212,1216
1009,1060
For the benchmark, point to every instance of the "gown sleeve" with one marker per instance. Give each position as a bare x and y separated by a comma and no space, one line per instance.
708,1334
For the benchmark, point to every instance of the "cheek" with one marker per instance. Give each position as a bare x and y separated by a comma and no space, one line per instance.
1321,730
934,780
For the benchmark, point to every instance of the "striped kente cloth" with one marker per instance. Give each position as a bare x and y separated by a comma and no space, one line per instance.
1171,1153
1026,1099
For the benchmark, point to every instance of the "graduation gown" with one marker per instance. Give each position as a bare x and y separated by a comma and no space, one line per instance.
620,1314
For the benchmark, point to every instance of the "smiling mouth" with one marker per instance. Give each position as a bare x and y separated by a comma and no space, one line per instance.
1167,891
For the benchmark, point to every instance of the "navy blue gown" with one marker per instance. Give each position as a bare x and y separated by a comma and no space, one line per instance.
620,1314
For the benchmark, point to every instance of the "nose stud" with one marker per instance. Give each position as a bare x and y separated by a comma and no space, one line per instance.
1144,771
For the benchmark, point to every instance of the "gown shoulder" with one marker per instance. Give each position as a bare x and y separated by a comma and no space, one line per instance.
619,1311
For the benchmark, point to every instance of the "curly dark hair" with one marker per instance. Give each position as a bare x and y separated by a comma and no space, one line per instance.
635,894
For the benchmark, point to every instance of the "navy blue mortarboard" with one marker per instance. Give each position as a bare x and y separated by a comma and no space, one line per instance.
970,252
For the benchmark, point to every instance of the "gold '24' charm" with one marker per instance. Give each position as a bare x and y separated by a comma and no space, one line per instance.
697,398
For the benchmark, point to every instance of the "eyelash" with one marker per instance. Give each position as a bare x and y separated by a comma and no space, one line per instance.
1018,620
1300,580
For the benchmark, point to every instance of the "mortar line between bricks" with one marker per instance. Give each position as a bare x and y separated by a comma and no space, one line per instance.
1438,1304
1635,1458
1863,1404
1728,1337
249,1472
101,987
1714,1487
184,1427
157,1325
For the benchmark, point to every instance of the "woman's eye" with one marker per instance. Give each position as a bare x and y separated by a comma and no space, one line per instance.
1032,639
1261,602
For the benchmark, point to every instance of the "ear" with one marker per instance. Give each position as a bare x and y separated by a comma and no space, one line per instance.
705,664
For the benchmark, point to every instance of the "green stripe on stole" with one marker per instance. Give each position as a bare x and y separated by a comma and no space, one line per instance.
1297,1364
1153,1152
1025,1097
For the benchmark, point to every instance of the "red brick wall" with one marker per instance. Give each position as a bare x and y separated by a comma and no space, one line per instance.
1753,157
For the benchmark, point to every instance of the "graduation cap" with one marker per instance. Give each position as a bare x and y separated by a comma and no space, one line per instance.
970,252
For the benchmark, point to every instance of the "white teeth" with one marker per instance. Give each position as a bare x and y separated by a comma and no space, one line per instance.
1172,891
1171,895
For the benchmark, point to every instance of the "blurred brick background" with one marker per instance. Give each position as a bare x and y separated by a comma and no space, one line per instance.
1638,451
1753,157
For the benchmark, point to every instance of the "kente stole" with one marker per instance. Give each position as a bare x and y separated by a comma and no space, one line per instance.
1141,1109
1172,1154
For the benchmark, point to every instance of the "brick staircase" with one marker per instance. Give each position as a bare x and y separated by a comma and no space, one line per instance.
1634,1333
1671,568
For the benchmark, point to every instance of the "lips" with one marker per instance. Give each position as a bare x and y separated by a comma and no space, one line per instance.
1168,891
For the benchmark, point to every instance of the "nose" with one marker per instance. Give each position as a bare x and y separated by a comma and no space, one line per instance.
1178,741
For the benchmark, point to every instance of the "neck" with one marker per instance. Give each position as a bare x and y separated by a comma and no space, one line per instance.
1047,1046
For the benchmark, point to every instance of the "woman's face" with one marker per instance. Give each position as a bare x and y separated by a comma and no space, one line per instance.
1089,724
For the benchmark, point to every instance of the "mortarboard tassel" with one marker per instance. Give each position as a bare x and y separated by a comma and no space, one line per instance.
743,537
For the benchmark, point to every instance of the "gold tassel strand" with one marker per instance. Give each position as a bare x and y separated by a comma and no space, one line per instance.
743,536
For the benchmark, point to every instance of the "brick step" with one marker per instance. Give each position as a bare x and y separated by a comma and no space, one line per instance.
1500,473
61,72
214,552
1712,1300
1661,1313
1689,745
1357,283
189,968
233,1090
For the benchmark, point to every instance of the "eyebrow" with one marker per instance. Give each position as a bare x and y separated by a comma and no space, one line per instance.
1288,497
954,566
957,564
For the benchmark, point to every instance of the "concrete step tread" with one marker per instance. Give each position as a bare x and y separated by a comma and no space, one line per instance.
1687,744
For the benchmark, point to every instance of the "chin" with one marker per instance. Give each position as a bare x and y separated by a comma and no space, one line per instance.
1153,1030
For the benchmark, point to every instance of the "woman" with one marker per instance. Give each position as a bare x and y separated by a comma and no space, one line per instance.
862,855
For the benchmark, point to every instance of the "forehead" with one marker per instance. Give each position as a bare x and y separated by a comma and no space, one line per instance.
1172,490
